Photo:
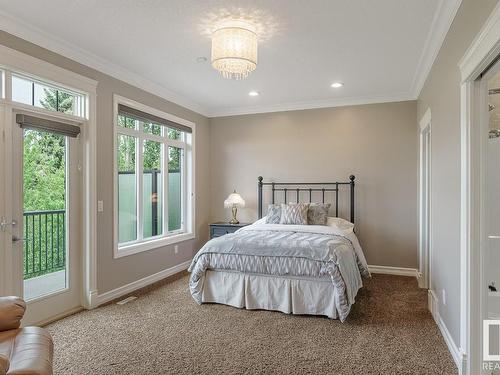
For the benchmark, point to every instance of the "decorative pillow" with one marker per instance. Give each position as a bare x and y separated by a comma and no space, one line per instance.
273,214
318,213
294,213
341,224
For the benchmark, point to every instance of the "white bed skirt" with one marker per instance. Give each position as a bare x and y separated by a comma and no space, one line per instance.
256,291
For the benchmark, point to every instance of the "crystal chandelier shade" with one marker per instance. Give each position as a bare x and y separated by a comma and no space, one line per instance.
234,51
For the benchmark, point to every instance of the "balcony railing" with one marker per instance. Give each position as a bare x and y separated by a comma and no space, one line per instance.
44,246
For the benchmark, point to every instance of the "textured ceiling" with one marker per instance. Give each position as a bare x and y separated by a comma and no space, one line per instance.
377,48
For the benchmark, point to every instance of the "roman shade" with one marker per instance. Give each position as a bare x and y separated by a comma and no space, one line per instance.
147,117
51,126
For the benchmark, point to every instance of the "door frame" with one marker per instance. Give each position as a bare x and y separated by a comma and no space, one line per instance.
53,305
481,54
425,228
15,61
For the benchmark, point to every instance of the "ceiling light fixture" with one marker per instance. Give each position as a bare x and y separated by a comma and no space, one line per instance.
254,93
234,50
336,85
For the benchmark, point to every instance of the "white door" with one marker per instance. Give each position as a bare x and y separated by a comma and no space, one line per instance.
46,213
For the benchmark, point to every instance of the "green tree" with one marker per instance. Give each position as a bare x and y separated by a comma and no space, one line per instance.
56,100
44,184
152,156
44,171
44,161
151,150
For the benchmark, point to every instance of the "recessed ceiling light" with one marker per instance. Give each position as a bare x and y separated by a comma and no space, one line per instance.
336,85
253,93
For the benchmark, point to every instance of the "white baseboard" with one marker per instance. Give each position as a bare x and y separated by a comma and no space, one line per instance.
458,355
399,271
99,299
421,280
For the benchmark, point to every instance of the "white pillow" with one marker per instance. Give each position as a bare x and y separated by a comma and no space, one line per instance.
342,224
261,220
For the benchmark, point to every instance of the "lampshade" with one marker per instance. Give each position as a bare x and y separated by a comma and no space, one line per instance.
234,199
234,50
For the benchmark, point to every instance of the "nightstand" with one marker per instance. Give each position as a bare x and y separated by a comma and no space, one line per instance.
221,228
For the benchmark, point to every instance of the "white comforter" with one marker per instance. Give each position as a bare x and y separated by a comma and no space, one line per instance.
320,229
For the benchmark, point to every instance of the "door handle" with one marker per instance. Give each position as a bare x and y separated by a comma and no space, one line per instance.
494,237
4,224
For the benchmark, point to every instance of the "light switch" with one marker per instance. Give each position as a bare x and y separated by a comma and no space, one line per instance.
100,206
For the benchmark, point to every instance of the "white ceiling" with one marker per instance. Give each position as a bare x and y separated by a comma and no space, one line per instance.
382,50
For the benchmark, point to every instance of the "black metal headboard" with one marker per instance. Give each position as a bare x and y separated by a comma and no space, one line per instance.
313,187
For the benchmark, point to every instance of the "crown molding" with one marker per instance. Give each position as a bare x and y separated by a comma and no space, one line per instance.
441,23
475,60
21,29
313,104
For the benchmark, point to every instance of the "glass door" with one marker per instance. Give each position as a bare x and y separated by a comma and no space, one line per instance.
46,212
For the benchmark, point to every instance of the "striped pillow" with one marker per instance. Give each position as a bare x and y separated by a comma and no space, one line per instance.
294,213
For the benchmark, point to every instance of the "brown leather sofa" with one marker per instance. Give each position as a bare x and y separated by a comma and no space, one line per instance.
23,351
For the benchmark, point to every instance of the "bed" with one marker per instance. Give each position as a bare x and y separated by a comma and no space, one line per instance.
292,268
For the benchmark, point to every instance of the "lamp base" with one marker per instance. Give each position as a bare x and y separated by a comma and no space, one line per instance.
234,220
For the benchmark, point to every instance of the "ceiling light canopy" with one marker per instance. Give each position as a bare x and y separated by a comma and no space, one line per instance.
336,85
234,50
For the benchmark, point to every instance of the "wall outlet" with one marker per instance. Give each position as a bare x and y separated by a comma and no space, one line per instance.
176,249
100,206
443,294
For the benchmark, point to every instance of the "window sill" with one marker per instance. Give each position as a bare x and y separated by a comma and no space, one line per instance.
139,247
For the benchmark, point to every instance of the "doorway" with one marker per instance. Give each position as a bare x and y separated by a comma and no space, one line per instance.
46,240
477,67
47,229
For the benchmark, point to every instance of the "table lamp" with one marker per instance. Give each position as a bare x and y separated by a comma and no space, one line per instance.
234,201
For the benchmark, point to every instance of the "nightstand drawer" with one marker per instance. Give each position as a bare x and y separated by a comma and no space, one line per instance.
221,228
220,231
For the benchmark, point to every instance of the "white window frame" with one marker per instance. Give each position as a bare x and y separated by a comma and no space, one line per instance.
187,231
80,98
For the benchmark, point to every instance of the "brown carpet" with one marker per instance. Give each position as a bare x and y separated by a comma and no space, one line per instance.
389,331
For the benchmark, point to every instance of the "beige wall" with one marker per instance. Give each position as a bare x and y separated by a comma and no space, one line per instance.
441,94
113,273
377,143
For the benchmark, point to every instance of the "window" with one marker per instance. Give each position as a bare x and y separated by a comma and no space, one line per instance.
43,95
152,188
175,172
153,178
127,188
